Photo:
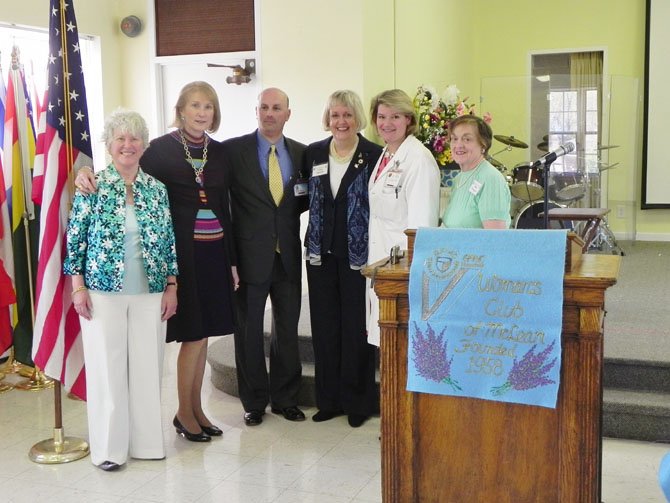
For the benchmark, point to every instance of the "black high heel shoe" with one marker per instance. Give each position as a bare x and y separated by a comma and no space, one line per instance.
212,431
193,437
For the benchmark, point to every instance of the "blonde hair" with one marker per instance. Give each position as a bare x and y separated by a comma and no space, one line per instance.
348,99
398,100
210,94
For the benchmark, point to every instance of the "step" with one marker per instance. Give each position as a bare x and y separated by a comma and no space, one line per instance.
221,357
629,411
636,415
628,374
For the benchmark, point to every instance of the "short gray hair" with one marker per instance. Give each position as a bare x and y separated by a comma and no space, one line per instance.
348,99
125,121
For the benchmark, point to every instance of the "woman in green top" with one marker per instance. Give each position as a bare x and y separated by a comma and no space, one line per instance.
480,197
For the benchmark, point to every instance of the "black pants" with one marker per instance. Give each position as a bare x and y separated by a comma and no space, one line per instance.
344,361
280,387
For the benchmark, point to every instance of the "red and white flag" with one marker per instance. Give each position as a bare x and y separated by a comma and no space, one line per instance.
57,346
7,296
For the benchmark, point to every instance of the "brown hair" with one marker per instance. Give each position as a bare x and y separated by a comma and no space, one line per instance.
194,87
484,131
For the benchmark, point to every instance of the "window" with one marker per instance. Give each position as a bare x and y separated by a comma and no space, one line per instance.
566,97
573,117
33,45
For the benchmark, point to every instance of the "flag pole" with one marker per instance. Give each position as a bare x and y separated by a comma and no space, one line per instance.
61,449
36,379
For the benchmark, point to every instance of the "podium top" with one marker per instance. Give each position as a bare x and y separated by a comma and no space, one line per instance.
597,269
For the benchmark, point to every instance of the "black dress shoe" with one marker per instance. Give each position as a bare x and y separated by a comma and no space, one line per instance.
290,413
193,437
212,431
356,420
325,415
109,466
253,417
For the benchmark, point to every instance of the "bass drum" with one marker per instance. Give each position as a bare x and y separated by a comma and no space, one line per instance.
531,216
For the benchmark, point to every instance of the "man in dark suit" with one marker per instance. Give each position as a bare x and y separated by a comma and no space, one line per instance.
266,223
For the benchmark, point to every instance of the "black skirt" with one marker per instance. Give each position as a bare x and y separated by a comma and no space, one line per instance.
213,278
214,292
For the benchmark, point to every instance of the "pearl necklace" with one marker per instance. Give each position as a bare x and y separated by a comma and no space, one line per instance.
197,170
342,159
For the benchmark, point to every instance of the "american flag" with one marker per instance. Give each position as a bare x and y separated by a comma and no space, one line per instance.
57,347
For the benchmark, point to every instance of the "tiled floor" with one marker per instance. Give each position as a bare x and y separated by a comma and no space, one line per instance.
278,461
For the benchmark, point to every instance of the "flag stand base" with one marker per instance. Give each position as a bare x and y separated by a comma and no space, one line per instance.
12,366
3,386
60,449
37,382
25,370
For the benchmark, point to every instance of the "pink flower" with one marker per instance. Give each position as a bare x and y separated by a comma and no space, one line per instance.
487,118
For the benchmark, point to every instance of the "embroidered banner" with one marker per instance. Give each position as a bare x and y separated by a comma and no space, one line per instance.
486,314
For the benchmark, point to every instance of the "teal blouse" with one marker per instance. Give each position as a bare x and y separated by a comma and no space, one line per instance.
97,226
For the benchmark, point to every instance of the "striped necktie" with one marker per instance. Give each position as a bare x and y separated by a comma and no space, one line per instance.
274,176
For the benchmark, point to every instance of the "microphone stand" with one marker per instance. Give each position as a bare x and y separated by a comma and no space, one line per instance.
545,177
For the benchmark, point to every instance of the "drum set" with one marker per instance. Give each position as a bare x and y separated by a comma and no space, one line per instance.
527,186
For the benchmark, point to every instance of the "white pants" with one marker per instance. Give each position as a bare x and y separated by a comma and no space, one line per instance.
123,352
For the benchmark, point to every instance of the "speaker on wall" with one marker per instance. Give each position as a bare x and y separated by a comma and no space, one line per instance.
131,26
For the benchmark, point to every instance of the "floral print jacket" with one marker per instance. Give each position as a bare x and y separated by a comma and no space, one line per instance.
96,231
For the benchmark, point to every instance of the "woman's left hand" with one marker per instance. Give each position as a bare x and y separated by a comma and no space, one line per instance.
236,277
168,303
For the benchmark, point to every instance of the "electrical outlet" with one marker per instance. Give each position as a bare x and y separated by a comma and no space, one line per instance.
620,211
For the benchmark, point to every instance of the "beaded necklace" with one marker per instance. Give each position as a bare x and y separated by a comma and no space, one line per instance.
468,176
197,170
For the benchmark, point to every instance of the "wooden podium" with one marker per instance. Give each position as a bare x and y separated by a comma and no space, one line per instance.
447,449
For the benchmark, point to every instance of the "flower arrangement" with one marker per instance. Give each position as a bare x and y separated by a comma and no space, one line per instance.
434,114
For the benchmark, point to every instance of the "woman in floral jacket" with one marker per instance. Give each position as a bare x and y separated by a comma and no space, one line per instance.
121,256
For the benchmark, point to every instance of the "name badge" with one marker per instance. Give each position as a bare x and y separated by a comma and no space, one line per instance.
300,188
320,169
475,187
392,179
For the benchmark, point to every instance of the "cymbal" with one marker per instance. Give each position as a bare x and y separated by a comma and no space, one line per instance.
495,163
607,166
543,146
607,147
511,141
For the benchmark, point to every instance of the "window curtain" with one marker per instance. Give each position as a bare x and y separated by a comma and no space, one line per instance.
586,72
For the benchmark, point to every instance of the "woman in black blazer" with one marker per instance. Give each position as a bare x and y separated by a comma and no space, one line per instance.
336,249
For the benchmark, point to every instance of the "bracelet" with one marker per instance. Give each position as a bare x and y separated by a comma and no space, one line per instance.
171,283
79,289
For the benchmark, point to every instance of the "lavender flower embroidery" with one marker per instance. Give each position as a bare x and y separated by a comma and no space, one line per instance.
529,372
430,357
